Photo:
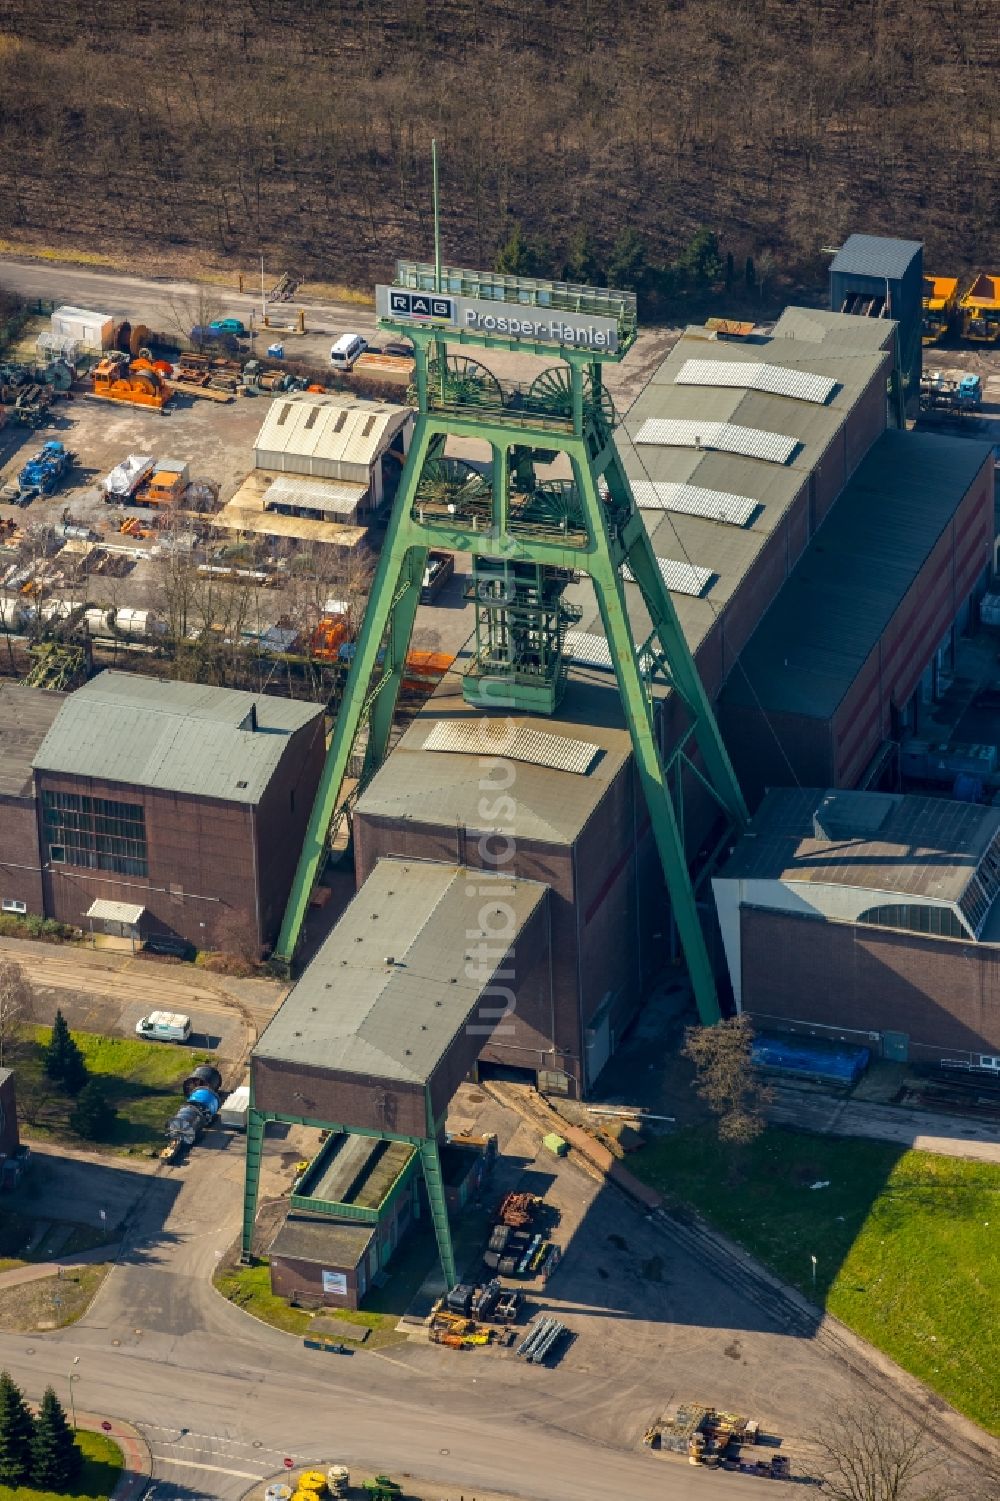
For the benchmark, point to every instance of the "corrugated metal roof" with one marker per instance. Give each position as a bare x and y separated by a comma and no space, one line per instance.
498,737
842,593
756,375
26,716
392,986
177,737
344,431
335,497
872,255
104,911
921,846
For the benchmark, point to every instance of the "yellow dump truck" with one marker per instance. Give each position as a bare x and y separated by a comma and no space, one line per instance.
981,310
940,303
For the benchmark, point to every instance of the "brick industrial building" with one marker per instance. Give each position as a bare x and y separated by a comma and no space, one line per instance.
26,716
868,917
160,808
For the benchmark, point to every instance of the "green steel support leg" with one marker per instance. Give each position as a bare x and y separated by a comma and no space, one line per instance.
251,1180
389,577
430,1161
611,601
411,577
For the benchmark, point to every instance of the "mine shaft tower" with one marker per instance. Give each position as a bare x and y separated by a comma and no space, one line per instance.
529,536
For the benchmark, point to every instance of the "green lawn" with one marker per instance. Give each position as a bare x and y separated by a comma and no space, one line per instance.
907,1243
249,1287
102,1464
142,1079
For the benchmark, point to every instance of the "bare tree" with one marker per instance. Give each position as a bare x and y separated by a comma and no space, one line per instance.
727,1078
193,310
869,1453
16,1003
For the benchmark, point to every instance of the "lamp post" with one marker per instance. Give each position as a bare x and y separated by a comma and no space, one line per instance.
813,1260
73,1376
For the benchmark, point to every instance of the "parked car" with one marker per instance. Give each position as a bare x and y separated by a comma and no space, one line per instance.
228,326
164,1026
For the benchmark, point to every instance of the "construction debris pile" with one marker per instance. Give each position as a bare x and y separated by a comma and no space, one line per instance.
515,1248
717,1439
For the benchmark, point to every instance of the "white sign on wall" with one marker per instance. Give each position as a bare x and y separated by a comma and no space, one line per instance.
334,1282
510,320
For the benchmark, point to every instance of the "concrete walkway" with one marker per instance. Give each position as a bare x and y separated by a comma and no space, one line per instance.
922,1131
36,1271
138,1467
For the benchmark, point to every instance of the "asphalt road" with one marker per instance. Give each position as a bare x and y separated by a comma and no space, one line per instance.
173,306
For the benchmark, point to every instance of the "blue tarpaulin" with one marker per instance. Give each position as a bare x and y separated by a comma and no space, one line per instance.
838,1063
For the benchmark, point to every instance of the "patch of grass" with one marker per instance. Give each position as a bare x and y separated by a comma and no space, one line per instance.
102,1466
51,1302
905,1242
142,1080
249,1287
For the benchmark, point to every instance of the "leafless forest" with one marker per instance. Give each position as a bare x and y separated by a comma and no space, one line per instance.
302,127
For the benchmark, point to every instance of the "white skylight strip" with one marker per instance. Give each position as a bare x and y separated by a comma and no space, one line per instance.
680,578
749,375
725,437
592,650
695,500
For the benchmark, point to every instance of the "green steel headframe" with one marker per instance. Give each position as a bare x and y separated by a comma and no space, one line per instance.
590,525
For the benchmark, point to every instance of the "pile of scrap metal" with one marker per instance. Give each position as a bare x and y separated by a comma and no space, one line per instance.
204,375
457,1333
543,1337
28,392
514,1248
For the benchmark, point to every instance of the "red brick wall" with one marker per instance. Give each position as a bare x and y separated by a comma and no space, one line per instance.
944,994
202,869
20,865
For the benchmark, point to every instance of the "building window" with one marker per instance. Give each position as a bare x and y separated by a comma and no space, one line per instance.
96,832
11,904
913,917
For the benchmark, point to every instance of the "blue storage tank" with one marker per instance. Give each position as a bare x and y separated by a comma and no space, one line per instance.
877,277
833,1063
206,1100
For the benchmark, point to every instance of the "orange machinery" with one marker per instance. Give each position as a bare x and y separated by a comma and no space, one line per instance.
136,382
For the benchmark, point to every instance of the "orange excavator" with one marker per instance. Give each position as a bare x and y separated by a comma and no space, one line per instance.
136,382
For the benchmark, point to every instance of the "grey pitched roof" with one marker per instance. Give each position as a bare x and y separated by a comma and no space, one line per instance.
873,255
173,737
26,716
354,1011
839,598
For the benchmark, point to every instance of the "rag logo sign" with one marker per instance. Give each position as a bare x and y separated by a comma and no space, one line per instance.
422,305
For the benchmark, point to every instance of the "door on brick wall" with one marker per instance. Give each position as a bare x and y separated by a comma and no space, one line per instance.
896,1045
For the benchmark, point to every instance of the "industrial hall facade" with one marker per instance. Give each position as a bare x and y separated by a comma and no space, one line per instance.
161,811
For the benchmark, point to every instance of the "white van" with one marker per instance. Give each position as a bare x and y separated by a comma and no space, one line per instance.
347,351
164,1026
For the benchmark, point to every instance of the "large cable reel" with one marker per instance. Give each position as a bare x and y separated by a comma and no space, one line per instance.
551,393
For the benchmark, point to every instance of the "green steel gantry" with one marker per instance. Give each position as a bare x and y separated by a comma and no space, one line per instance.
528,538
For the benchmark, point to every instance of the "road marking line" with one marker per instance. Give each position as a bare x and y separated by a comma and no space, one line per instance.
193,1464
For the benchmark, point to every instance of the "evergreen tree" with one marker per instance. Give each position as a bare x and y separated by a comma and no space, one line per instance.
750,274
516,257
55,1053
701,262
582,263
16,1432
55,1458
63,1060
93,1116
627,267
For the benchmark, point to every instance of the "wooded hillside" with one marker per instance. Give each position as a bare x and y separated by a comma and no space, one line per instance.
302,126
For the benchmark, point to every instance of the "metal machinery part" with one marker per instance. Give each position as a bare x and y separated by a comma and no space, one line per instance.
528,538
